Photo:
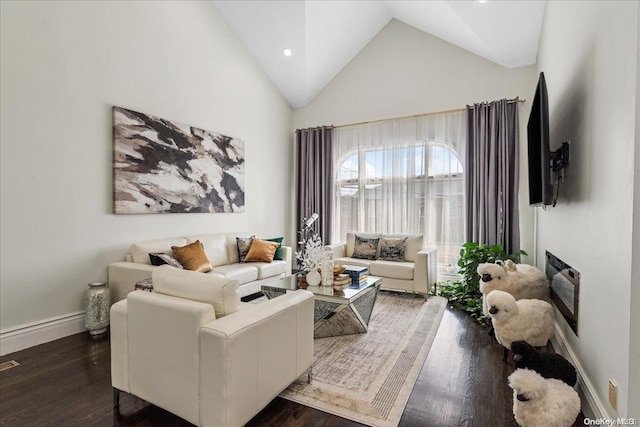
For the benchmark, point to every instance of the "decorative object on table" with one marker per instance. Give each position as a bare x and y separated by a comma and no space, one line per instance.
302,281
357,273
144,285
327,268
97,305
160,166
304,235
310,259
313,277
341,282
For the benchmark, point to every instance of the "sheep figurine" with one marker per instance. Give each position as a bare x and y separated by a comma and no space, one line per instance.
539,401
529,320
549,365
520,280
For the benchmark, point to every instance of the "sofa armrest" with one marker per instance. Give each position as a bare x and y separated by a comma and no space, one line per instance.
124,275
249,357
119,347
339,250
163,346
286,255
425,275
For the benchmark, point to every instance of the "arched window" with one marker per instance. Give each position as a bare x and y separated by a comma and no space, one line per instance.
416,189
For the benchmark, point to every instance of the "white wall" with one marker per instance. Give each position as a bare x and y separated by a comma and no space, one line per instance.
404,71
64,65
589,54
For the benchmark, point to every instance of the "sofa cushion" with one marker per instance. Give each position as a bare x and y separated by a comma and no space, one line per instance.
392,269
261,251
392,248
192,257
243,273
140,251
271,269
365,247
352,261
222,294
244,245
215,246
351,240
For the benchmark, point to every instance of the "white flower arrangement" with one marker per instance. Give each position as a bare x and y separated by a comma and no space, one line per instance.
313,252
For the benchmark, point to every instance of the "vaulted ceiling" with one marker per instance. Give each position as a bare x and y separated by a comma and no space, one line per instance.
324,36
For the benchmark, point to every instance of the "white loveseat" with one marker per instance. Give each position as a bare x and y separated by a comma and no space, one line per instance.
191,347
416,273
222,251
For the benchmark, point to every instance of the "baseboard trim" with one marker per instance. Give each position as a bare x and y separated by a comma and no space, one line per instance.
41,332
592,406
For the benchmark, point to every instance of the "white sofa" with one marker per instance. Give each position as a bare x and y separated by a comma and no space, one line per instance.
192,348
417,273
222,251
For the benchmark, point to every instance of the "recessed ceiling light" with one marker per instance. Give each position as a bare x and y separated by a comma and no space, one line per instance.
287,52
482,1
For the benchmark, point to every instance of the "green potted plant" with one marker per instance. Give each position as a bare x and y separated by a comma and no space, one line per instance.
465,294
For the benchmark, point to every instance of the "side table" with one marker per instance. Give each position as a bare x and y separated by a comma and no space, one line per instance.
144,285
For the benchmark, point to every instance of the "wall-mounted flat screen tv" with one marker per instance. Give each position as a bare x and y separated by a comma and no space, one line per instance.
540,183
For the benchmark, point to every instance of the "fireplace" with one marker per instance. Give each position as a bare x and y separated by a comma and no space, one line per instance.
565,288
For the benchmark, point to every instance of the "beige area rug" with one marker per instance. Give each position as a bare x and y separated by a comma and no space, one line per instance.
368,377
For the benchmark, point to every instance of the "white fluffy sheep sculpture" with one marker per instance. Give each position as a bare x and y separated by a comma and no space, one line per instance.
520,280
539,401
529,320
549,365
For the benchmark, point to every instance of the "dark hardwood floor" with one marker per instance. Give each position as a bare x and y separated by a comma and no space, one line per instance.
67,383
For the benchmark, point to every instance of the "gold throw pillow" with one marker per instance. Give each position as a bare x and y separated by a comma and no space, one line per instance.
261,251
192,257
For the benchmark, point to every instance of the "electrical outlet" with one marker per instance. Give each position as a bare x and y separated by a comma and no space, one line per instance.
613,393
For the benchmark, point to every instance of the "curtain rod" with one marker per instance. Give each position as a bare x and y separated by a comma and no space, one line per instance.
509,101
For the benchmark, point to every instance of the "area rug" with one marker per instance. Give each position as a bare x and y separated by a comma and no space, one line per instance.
368,377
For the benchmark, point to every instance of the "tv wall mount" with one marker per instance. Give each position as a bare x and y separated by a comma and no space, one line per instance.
559,159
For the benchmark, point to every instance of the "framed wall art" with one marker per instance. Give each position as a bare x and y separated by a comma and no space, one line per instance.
161,166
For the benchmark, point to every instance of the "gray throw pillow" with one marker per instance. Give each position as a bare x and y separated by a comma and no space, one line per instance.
365,247
392,248
244,244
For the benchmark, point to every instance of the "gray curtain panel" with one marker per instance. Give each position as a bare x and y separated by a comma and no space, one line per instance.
314,178
492,174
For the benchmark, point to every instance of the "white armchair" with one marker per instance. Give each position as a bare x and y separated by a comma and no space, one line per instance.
193,349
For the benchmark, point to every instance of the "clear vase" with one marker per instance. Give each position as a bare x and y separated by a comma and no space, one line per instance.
327,268
97,305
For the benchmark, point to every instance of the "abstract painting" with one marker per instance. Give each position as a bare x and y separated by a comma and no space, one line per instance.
160,166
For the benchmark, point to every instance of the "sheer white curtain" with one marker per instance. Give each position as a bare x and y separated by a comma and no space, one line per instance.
403,176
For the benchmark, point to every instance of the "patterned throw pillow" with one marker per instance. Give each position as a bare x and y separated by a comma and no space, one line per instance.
392,248
244,244
365,247
159,258
192,257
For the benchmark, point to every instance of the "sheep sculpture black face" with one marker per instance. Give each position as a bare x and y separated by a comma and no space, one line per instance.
549,365
520,280
529,320
539,401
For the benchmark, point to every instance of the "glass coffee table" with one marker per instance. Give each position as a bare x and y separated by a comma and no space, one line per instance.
335,312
